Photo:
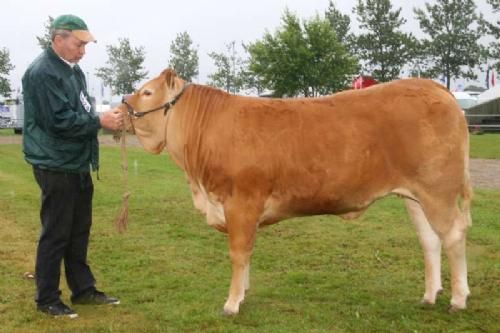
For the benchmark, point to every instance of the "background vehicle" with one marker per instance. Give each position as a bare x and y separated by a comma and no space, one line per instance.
12,114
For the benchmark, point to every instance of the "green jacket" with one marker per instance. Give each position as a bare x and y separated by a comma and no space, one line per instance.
60,125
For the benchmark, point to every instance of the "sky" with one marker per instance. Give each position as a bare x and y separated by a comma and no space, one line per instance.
155,24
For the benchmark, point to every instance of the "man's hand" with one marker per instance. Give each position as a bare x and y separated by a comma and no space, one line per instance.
112,120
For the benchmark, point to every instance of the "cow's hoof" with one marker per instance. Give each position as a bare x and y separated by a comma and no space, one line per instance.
229,313
429,299
231,309
456,308
427,304
458,303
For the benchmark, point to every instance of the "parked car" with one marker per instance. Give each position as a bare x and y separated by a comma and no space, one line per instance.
12,114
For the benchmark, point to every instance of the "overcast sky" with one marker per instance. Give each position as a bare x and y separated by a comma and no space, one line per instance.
155,24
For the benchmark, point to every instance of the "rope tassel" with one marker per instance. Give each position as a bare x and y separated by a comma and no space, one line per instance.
121,221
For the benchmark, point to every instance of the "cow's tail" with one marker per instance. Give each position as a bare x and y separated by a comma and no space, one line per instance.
467,192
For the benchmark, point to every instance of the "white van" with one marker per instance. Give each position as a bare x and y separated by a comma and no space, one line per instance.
12,114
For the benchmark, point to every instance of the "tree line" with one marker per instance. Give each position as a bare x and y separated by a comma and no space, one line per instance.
321,55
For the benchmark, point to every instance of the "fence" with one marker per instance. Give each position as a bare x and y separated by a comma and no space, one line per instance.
485,116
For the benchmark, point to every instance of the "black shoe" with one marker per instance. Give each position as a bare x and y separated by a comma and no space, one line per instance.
58,309
94,297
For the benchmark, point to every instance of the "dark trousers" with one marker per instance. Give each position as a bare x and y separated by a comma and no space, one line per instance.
66,216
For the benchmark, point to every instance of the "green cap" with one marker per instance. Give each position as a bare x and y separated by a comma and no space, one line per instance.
75,24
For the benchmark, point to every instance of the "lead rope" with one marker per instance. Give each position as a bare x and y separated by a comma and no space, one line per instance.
122,218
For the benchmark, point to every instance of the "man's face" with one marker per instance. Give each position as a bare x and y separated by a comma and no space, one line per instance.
70,48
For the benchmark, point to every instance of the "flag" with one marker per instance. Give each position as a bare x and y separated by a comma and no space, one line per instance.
488,78
492,78
442,79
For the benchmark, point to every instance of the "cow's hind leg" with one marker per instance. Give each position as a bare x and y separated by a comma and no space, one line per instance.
454,245
242,228
451,226
431,245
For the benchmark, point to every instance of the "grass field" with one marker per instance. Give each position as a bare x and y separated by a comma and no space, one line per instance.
172,271
6,131
485,146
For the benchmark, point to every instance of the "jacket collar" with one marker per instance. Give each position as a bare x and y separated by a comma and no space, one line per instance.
58,62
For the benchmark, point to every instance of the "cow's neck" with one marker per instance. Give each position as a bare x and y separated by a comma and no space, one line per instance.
188,123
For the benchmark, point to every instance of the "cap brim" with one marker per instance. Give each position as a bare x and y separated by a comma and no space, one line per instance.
84,36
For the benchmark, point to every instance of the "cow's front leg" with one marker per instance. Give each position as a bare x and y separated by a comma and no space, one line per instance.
242,228
247,276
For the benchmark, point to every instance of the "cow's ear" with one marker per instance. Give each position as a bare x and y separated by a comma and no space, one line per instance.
170,76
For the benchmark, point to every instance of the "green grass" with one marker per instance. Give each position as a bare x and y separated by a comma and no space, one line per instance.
6,131
485,146
172,271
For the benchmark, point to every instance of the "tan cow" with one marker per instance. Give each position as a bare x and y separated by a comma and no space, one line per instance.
255,161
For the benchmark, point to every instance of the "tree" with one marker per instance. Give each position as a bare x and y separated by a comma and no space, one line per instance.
184,57
302,59
339,22
5,68
452,46
228,75
383,48
419,65
494,30
251,80
124,67
45,41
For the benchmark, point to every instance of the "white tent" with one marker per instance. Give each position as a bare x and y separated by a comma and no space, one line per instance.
488,95
464,99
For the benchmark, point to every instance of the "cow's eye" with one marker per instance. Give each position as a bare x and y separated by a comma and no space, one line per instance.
147,93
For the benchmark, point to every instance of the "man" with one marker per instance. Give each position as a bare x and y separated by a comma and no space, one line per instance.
60,142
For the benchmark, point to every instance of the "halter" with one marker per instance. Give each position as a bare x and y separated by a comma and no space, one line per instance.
138,114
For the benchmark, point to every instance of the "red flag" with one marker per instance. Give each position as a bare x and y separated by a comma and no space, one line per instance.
492,78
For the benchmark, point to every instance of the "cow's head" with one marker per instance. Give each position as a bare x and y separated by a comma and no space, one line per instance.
148,109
